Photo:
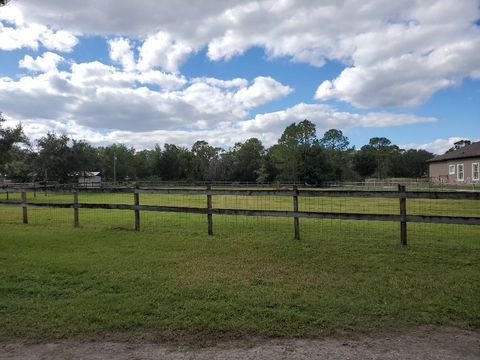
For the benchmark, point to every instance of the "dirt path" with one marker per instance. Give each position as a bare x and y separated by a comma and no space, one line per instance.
421,343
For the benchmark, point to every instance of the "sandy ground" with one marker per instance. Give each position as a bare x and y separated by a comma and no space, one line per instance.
421,343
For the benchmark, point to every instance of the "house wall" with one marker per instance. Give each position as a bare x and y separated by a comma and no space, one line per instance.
90,179
438,171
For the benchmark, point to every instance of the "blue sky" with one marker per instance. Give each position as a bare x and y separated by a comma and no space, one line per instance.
225,71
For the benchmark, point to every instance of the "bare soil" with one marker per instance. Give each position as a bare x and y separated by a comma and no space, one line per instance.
426,343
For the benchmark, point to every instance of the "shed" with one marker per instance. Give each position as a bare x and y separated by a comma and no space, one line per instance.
90,179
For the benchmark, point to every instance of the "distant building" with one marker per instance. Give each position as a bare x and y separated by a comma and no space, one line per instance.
460,166
90,179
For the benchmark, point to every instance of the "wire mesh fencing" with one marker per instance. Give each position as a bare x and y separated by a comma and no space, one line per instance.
373,217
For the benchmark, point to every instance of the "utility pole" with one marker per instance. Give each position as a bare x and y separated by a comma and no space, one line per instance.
114,169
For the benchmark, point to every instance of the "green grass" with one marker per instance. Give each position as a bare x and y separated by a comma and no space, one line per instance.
251,277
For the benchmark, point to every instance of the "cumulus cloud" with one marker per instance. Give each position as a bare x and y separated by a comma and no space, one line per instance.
103,103
438,146
326,117
58,40
15,33
405,77
267,127
397,53
157,51
46,62
121,52
102,96
263,90
166,81
227,84
161,50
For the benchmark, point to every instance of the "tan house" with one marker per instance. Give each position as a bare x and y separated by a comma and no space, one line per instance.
460,166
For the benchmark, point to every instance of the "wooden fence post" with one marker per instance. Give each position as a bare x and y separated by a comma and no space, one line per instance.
24,207
136,197
209,210
403,214
296,221
75,208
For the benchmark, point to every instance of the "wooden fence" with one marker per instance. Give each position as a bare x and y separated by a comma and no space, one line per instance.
295,193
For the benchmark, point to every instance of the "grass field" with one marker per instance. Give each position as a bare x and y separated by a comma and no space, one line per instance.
251,277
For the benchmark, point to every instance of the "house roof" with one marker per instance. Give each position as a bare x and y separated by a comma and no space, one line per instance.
469,151
89,173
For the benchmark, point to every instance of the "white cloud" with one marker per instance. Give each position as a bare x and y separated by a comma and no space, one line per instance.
325,117
58,40
121,52
15,33
398,53
103,104
166,81
12,38
44,63
263,90
383,77
161,50
267,127
102,96
227,84
438,146
12,15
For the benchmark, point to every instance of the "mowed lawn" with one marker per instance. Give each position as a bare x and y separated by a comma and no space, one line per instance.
250,278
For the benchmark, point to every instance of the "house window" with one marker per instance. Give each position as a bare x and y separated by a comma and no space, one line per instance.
460,172
451,169
475,171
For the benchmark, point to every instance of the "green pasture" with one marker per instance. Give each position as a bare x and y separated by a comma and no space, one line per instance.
172,280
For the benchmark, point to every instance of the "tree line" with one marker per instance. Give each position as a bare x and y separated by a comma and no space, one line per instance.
298,156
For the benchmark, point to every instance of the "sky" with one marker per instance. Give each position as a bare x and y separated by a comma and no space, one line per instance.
151,72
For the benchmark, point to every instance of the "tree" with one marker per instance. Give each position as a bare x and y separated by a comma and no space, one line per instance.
21,167
268,171
364,163
221,168
411,163
53,161
337,153
298,156
9,137
203,157
124,159
291,148
174,163
459,144
334,139
384,152
145,162
247,159
83,157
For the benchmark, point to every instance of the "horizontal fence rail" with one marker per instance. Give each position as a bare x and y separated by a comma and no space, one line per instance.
295,193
